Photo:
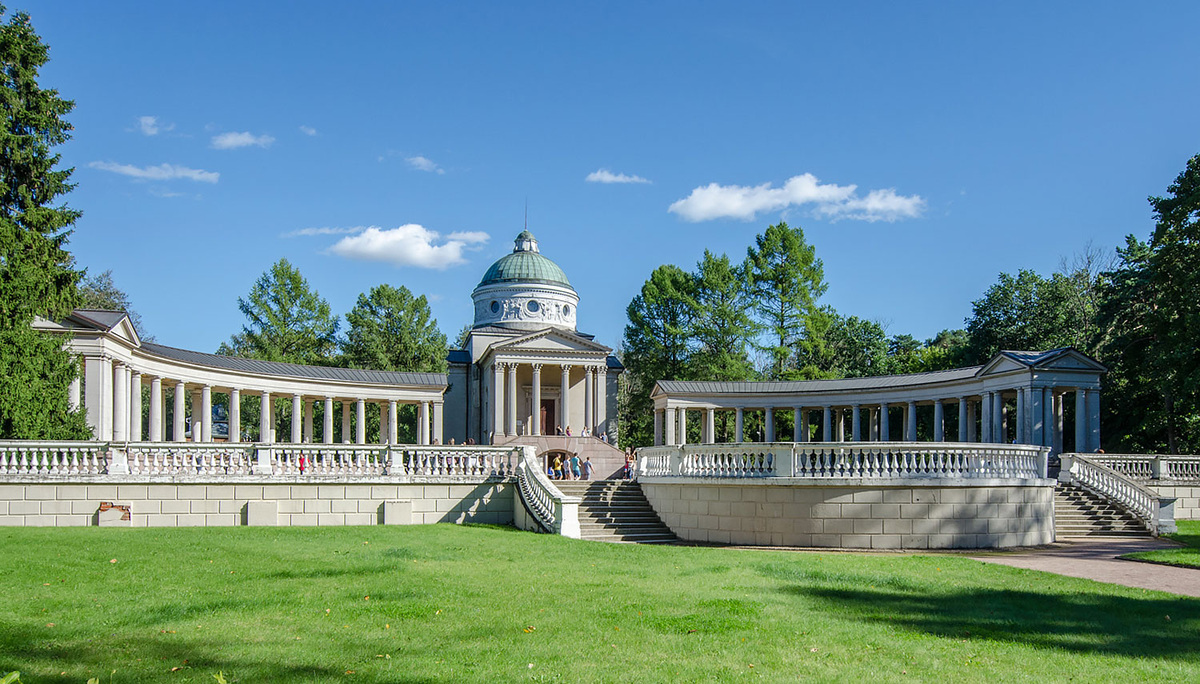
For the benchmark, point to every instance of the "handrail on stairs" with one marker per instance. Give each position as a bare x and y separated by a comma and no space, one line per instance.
554,511
1156,512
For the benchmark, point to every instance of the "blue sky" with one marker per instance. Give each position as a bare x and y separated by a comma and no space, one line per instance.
923,147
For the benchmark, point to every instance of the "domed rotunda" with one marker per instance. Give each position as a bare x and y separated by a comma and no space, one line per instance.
525,290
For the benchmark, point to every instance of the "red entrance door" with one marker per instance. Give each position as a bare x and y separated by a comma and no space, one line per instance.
548,423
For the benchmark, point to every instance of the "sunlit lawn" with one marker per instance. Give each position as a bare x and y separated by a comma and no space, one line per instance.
451,603
1188,556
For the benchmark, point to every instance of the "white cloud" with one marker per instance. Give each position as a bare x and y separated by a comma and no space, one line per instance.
149,125
408,245
424,164
830,200
308,130
232,141
161,172
323,231
606,176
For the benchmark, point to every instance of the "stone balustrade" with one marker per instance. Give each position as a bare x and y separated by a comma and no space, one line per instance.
214,461
552,510
1155,511
874,461
1149,467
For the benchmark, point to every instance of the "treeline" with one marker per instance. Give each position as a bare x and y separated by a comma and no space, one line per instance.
1137,311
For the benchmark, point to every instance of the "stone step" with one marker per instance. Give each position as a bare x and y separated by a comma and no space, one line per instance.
616,511
1080,513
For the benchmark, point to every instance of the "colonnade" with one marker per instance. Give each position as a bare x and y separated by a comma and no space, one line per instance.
506,406
113,401
1022,415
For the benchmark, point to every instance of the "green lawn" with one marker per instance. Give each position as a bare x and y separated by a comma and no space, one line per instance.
468,603
1188,556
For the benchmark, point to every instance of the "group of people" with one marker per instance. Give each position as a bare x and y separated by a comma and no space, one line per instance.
570,468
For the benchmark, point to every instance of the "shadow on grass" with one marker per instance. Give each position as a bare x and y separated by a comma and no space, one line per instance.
1082,623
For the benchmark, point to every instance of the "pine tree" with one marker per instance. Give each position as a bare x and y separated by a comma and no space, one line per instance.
36,273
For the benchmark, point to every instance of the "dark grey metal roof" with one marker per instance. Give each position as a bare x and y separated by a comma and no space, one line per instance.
613,362
1032,358
356,375
458,356
100,318
515,332
816,386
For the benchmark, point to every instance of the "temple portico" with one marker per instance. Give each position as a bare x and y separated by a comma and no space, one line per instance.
1017,397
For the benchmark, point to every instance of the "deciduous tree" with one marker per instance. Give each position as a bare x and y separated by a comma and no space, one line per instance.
286,321
786,280
390,329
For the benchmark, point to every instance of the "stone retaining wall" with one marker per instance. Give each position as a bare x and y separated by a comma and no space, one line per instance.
858,515
226,504
1187,498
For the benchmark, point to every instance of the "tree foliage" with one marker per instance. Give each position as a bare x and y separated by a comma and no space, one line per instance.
786,280
286,321
720,319
390,329
1148,318
37,277
101,292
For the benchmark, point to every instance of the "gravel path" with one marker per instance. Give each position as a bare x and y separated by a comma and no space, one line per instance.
1096,559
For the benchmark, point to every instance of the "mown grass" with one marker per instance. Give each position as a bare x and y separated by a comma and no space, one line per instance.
467,603
1187,556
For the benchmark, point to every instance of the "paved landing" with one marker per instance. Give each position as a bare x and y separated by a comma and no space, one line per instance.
1096,559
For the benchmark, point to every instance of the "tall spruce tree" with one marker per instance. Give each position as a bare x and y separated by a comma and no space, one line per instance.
36,273
286,321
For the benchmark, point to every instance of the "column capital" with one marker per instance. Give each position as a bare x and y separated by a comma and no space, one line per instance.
566,366
536,366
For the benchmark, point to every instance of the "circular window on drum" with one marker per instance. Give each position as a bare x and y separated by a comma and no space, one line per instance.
495,307
566,309
533,306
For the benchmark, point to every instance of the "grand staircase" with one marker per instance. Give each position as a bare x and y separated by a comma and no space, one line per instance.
1080,513
616,511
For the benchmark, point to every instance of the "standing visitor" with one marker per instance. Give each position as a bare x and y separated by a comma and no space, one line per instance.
587,468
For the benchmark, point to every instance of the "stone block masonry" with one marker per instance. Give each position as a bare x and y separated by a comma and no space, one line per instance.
115,502
935,516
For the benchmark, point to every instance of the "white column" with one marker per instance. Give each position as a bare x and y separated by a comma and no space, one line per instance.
910,414
658,427
710,425
360,421
939,421
769,424
872,424
739,424
1036,434
135,408
1047,417
156,407
671,421
266,419
511,427
998,432
564,411
437,422
383,423
345,422
1023,417
98,391
177,422
327,422
985,418
308,421
827,424
206,411
962,419
497,400
681,432
840,426
805,429
393,428
423,423
885,430
235,415
120,403
1058,424
297,413
856,423
535,418
73,393
589,389
972,434
602,400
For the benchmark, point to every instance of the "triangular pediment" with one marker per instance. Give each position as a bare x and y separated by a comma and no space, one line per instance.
550,340
1066,359
114,323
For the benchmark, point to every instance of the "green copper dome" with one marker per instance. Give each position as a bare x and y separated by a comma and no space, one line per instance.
525,265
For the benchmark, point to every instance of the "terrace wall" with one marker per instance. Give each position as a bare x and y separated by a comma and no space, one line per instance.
856,515
225,503
1187,498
